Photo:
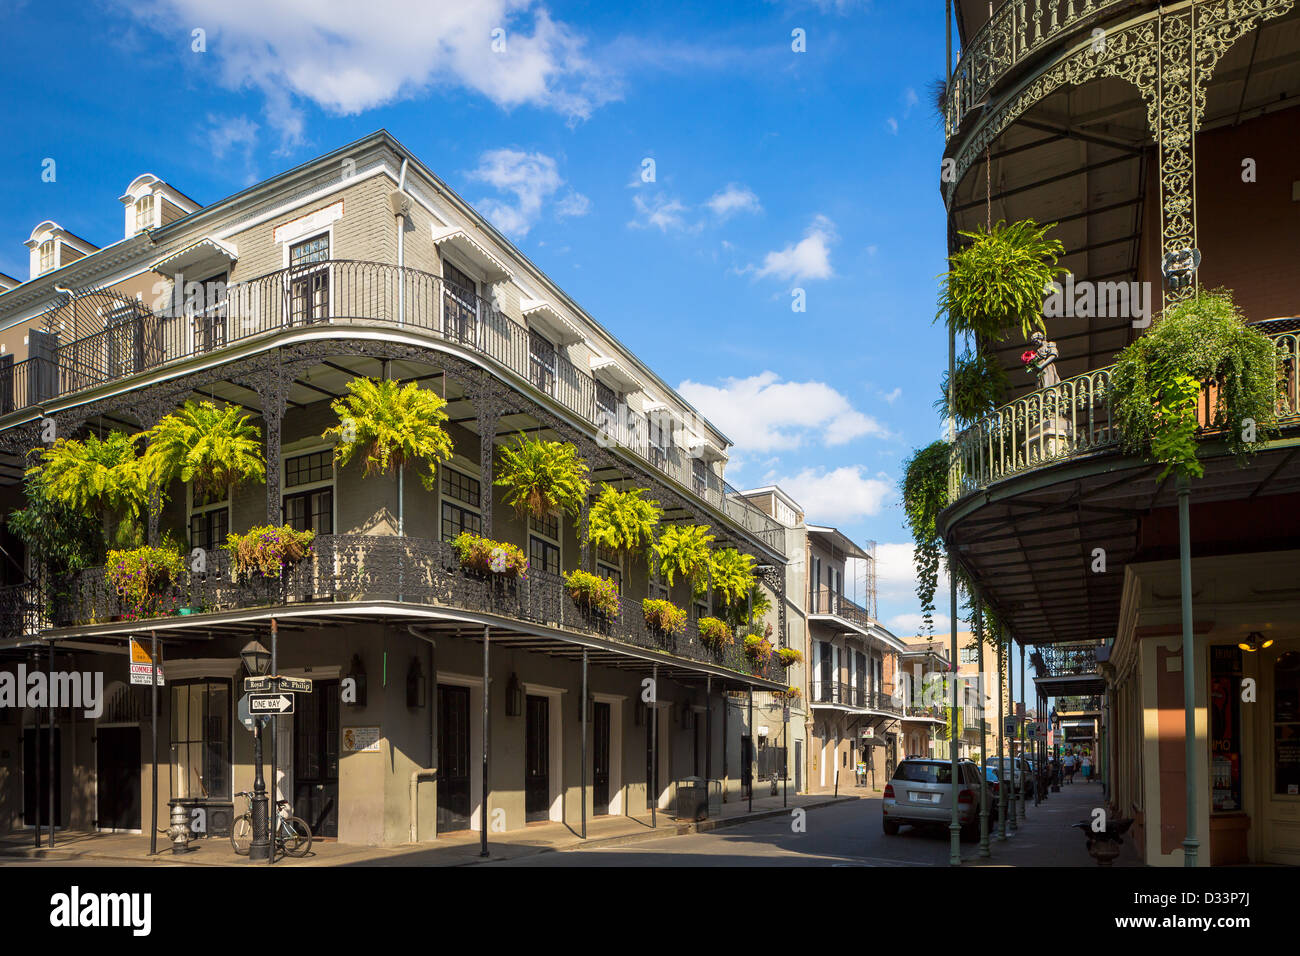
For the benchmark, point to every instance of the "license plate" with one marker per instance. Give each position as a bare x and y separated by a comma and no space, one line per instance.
917,796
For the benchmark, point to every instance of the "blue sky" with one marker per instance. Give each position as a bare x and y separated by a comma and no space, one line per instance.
775,170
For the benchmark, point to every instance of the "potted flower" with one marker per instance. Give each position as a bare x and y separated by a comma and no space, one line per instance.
714,633
142,578
593,593
267,550
788,656
663,616
484,556
791,693
757,648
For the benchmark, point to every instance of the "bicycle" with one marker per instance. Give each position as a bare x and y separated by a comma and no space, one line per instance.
292,834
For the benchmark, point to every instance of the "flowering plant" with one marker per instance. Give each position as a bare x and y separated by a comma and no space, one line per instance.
790,693
788,656
593,592
757,648
268,550
1028,357
489,557
142,576
663,616
714,633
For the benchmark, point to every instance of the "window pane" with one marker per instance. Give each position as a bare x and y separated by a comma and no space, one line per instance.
313,250
460,487
308,469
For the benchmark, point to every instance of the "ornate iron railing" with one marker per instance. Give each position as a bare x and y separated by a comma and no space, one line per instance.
420,571
826,601
916,710
1066,660
342,292
1076,417
853,695
1069,705
1017,31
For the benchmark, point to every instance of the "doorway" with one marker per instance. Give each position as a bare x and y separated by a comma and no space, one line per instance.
33,798
537,760
316,758
600,759
1280,767
453,758
117,778
798,766
746,763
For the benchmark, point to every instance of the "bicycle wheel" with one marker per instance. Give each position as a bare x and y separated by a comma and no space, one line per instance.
241,834
295,836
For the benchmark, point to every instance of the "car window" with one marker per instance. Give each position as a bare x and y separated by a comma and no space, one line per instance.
917,772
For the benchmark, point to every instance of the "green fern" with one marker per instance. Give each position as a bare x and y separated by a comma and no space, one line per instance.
541,476
214,448
95,476
623,521
685,549
392,425
733,575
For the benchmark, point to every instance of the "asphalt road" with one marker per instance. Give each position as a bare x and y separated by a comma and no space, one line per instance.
845,834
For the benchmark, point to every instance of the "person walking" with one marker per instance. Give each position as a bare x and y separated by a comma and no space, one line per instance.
1087,768
1069,768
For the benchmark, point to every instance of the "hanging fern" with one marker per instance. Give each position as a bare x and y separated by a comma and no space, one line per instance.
392,425
1158,379
95,477
925,494
732,575
623,521
541,476
214,448
981,385
685,549
996,284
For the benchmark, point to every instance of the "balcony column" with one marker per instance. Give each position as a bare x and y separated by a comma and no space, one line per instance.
977,600
150,413
271,380
1002,786
487,433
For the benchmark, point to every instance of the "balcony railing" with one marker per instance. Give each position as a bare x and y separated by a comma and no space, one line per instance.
1066,660
1017,31
826,601
349,568
1076,417
341,292
854,695
1070,705
916,710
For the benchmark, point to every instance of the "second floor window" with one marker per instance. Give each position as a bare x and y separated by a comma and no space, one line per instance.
610,567
309,492
544,544
606,408
144,213
460,304
309,281
46,253
699,476
209,520
460,504
541,362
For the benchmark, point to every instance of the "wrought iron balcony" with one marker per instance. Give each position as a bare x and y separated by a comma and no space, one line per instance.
1075,418
826,601
1018,31
916,710
351,568
854,695
99,337
1066,660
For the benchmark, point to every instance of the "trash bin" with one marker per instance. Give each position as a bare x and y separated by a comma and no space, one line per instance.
692,799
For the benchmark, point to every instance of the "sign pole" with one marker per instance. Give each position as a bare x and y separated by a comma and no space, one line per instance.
153,730
49,686
273,818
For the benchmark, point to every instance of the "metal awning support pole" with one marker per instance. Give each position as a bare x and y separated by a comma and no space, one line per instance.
750,768
273,818
483,815
653,719
36,761
954,827
49,743
1024,699
583,791
982,697
1011,737
708,740
153,730
1191,845
1002,783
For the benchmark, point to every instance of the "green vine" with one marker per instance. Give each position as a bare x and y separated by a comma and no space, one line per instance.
981,385
925,494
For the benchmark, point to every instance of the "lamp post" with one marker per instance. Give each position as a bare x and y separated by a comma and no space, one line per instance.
257,661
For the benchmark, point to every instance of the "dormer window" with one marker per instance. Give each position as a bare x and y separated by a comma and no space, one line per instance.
47,251
144,213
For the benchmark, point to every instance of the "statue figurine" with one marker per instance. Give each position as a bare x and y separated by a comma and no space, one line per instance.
1045,355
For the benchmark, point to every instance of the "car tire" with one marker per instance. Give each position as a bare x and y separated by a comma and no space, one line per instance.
890,827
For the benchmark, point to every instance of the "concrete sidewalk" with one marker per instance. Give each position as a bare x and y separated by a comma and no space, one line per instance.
1045,837
461,848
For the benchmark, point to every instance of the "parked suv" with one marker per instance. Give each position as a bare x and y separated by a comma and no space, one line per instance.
1025,777
920,793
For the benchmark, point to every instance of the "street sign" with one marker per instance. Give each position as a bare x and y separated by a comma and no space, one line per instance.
270,703
258,683
141,666
1009,726
246,715
298,685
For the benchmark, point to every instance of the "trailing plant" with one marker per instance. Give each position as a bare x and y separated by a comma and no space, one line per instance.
925,494
541,476
1157,382
664,616
732,575
143,576
623,521
757,648
490,557
790,693
61,539
714,633
789,656
392,425
97,477
213,448
981,385
593,592
749,612
684,549
267,549
995,285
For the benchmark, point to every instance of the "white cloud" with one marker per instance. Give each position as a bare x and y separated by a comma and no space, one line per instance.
665,213
910,99
840,496
532,178
809,258
763,413
734,199
893,396
893,125
909,625
348,59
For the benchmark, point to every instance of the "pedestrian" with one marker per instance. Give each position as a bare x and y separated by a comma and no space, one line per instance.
1069,768
1087,768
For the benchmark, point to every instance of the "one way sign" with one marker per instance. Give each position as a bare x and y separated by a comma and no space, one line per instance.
270,703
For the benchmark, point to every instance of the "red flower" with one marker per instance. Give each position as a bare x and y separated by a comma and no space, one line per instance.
1028,356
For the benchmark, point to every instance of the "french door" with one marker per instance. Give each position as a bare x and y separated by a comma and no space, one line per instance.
600,759
537,759
316,758
453,758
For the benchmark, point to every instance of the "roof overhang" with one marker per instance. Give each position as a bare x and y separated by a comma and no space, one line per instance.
205,256
454,237
836,538
548,320
706,449
615,375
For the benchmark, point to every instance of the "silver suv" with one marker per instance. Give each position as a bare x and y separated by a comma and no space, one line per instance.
920,793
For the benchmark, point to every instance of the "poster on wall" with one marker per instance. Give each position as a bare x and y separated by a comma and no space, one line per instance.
361,740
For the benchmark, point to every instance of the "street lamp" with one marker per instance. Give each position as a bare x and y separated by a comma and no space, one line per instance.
257,661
